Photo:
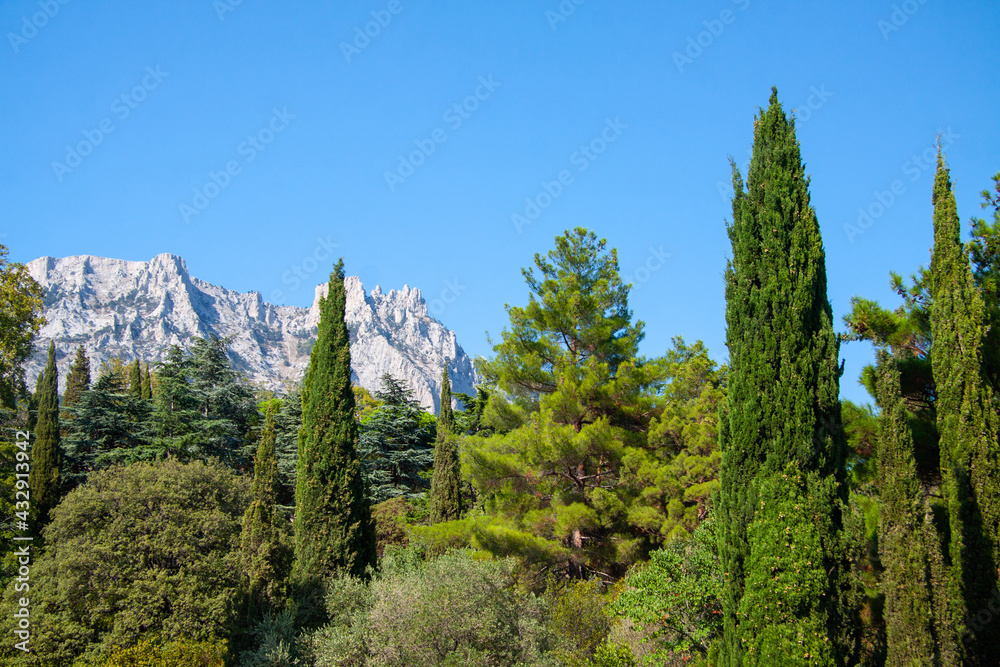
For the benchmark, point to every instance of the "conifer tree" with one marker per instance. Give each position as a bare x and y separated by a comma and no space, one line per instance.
46,453
135,380
263,552
783,448
967,423
446,484
920,629
334,531
78,378
146,391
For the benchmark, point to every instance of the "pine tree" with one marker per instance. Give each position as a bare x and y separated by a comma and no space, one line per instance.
781,437
919,627
967,423
78,378
46,453
146,392
265,557
446,484
334,531
135,380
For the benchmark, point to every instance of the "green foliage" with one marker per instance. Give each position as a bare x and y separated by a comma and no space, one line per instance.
135,380
146,389
577,620
675,598
449,610
334,531
967,422
264,544
394,444
20,320
579,401
782,409
919,626
274,643
46,450
139,552
178,653
446,501
78,378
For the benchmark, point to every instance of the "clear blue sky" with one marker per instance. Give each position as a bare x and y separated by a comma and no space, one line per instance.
874,83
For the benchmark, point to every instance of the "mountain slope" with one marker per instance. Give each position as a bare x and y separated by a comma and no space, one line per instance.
126,309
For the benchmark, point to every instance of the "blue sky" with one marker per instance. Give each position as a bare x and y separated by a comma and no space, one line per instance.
250,137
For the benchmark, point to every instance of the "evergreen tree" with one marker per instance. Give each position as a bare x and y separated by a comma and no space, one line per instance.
46,453
446,484
264,554
135,380
176,410
224,399
334,531
78,378
146,391
783,450
967,423
394,444
919,627
287,422
20,320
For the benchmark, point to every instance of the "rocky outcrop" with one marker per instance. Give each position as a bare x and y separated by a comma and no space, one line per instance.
130,310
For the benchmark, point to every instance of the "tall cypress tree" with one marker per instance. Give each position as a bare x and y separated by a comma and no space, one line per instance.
146,391
334,531
78,378
446,483
46,453
781,436
967,423
135,379
920,629
263,552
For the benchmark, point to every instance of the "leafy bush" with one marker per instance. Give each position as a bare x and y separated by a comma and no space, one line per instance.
180,653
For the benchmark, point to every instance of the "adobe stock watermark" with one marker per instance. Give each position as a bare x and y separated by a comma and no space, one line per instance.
30,27
655,260
223,7
449,294
581,158
321,255
882,200
565,9
381,19
815,101
248,149
697,44
454,116
901,13
122,107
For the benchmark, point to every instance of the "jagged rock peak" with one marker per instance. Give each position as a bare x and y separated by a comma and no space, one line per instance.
130,309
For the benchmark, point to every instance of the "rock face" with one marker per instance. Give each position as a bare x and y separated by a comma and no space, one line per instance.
118,308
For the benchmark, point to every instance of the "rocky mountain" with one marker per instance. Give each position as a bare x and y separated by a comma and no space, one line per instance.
119,308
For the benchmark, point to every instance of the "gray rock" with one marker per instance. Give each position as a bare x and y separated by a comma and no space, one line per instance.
119,308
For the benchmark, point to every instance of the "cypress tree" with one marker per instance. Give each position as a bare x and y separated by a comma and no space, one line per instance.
135,380
78,378
446,484
967,425
783,448
146,392
264,555
334,531
46,453
919,627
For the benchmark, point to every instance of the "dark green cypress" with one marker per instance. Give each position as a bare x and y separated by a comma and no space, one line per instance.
920,629
146,392
46,453
967,425
446,483
334,531
263,551
78,378
783,447
135,379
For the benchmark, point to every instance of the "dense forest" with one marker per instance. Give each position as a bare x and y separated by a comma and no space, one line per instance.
589,506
